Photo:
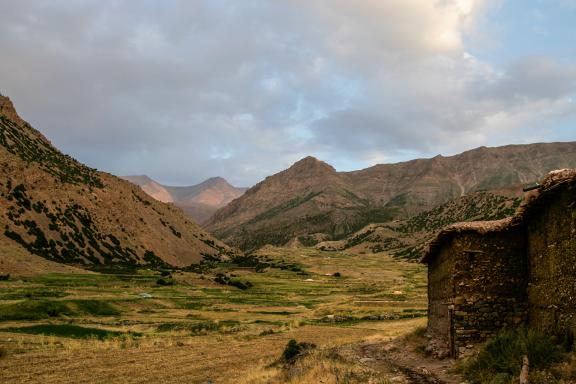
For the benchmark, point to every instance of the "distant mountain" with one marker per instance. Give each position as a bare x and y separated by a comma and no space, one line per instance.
197,201
312,198
57,208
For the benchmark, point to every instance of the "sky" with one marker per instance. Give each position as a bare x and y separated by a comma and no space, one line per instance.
184,90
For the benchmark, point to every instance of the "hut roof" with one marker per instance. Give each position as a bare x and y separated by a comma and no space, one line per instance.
531,204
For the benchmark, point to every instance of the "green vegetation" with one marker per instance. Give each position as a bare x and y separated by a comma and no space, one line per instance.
502,356
33,310
291,204
67,330
477,206
80,241
202,327
94,307
33,148
42,309
294,294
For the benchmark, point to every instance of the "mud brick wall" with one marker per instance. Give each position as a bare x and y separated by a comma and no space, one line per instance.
552,262
485,292
440,297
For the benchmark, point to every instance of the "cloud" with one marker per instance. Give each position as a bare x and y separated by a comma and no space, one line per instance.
187,90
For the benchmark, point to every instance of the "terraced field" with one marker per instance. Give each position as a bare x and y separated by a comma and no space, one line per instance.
219,323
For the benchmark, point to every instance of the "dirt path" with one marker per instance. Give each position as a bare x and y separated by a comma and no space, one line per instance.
412,366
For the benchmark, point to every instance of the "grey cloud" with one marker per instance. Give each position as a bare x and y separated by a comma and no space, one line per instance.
186,90
531,78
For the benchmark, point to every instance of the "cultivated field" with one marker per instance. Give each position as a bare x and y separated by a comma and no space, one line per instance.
225,324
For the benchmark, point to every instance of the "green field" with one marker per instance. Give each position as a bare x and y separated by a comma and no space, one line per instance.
326,297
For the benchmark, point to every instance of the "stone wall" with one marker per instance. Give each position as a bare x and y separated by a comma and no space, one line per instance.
440,298
551,226
488,288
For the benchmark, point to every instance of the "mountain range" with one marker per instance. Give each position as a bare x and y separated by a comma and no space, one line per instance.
54,207
312,200
197,201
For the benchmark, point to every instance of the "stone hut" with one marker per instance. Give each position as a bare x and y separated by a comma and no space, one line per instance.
490,275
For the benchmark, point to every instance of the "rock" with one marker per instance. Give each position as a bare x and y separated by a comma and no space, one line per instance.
365,360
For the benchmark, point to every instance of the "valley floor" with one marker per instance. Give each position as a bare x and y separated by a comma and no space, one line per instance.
133,328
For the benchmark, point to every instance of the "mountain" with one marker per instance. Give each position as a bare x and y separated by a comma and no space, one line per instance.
407,238
197,201
57,208
312,198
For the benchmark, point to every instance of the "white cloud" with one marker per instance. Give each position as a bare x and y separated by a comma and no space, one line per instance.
187,90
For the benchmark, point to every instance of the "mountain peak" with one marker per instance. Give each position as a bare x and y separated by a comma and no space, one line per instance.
310,164
216,181
7,109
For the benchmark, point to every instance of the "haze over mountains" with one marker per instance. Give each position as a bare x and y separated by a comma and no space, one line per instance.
198,201
312,198
57,208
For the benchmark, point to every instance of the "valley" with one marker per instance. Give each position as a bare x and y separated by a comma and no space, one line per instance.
133,327
312,274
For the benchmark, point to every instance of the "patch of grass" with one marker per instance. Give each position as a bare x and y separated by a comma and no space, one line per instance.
19,294
95,307
66,330
503,356
34,310
199,327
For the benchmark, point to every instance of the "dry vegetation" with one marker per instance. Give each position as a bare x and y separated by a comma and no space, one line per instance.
125,327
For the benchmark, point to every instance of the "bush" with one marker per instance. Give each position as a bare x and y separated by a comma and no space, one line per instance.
5,277
294,350
164,282
337,274
502,356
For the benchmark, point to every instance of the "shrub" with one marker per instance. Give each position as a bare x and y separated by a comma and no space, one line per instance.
5,277
502,356
294,350
337,274
164,282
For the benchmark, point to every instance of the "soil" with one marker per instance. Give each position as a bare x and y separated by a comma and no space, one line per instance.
406,358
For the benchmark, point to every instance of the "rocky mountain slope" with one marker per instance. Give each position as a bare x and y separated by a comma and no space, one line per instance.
408,238
197,201
312,198
57,208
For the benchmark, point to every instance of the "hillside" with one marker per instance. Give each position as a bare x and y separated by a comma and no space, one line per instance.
311,197
197,201
57,208
408,238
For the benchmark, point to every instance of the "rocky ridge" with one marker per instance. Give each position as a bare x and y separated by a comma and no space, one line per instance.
312,199
54,207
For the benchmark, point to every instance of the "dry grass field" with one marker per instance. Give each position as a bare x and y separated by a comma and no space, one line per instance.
133,328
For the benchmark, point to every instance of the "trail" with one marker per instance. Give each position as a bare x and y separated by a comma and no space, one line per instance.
413,366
